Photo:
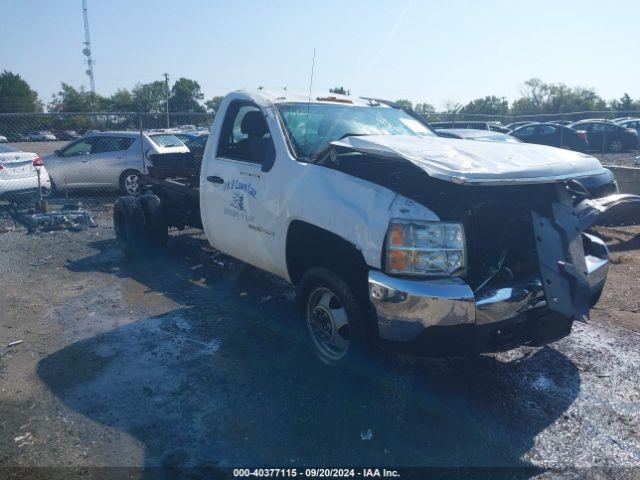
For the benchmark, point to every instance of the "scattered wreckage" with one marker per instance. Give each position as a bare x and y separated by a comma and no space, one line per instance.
393,236
68,217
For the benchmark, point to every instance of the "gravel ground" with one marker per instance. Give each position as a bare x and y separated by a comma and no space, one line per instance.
622,159
195,359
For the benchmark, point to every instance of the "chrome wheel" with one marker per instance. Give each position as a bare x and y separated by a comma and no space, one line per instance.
616,146
328,325
131,183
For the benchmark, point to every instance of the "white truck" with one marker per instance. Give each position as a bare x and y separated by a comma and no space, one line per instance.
394,236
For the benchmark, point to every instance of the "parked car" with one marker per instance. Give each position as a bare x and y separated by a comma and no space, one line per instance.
67,135
394,237
606,135
472,134
42,136
186,137
196,146
19,174
553,135
514,125
469,124
108,159
561,122
630,123
622,119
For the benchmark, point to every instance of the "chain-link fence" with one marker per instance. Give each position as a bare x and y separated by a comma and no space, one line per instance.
89,155
78,156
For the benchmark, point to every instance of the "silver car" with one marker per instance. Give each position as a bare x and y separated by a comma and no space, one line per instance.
108,160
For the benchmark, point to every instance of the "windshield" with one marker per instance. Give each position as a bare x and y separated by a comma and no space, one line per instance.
326,123
165,140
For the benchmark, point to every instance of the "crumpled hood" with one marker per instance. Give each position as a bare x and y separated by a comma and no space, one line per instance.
478,162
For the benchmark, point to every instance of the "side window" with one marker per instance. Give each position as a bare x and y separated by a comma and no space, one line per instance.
546,129
526,131
111,144
598,127
245,135
80,147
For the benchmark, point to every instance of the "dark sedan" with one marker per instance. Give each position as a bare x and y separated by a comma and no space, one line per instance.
605,135
196,147
553,135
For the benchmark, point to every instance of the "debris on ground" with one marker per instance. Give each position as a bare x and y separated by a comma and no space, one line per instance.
13,344
69,217
288,296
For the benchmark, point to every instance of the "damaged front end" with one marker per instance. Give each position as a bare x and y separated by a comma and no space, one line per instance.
531,267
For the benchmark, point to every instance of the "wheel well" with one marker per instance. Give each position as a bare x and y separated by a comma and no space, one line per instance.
311,246
124,172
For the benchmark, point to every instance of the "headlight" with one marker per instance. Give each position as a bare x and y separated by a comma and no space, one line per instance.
425,248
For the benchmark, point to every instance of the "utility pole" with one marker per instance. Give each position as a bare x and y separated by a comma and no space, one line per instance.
166,91
86,51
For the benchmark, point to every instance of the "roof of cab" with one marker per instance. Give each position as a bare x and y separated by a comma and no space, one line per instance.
284,96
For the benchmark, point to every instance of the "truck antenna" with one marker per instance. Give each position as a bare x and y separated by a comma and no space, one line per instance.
306,121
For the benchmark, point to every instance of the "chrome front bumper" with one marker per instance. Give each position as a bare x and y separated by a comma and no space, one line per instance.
405,308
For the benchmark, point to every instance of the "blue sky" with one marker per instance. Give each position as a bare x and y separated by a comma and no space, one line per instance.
432,51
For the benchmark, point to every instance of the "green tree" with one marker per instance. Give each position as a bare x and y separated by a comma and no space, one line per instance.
122,101
625,104
71,99
340,91
540,97
16,95
489,105
149,97
404,103
423,108
186,96
213,105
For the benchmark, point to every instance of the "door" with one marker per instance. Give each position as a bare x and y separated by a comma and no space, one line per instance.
238,202
109,157
67,166
547,135
526,134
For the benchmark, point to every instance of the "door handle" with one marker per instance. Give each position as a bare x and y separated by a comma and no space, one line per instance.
215,179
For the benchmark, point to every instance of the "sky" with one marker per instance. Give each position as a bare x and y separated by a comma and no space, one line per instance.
423,50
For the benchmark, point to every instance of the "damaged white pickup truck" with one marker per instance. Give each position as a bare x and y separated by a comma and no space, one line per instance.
394,236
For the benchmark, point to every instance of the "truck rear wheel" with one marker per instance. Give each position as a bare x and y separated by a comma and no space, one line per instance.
332,316
155,221
129,224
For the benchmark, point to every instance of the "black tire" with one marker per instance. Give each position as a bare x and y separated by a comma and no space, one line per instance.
125,187
318,280
156,225
130,227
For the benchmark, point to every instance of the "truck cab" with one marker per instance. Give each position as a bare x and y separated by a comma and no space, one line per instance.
394,236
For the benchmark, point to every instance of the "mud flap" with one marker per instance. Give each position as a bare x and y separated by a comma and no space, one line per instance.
618,209
561,258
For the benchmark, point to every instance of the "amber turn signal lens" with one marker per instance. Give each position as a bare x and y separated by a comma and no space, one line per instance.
396,235
396,260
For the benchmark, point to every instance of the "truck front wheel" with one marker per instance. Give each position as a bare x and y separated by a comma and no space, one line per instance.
129,224
332,316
